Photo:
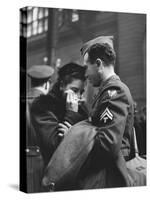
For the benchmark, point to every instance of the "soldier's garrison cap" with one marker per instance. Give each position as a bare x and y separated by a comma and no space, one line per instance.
100,40
40,72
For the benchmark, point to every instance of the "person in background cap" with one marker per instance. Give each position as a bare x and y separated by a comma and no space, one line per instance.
40,76
61,108
112,114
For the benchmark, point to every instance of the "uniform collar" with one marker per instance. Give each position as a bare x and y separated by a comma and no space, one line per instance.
113,77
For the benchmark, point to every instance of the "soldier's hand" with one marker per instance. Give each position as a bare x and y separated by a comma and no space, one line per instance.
72,101
63,128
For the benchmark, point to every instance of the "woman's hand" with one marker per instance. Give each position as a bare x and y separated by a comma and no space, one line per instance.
72,101
63,128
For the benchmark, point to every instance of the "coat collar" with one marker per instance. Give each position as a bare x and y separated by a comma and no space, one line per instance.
113,77
103,84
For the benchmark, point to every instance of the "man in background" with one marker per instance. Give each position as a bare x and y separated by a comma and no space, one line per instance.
40,76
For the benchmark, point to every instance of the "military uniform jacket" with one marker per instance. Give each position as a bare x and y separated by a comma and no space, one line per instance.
32,95
47,112
112,114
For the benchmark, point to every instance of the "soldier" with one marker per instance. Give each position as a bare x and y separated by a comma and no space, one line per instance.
55,113
112,114
40,76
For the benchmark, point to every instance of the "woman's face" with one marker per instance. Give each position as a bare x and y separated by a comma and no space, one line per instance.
77,86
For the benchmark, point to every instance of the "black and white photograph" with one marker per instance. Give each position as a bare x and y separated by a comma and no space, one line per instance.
82,99
74,100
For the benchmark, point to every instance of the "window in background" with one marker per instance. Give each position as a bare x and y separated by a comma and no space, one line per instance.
66,18
33,21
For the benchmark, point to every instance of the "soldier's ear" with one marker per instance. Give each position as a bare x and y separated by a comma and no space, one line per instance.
47,86
44,85
98,62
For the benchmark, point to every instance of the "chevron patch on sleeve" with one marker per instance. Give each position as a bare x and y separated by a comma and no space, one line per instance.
106,115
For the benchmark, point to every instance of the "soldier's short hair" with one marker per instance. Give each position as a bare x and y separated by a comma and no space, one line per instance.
102,51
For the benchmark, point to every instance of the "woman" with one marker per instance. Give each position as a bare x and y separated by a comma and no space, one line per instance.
53,114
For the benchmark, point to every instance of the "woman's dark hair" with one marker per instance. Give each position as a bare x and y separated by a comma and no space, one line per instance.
102,51
71,71
67,74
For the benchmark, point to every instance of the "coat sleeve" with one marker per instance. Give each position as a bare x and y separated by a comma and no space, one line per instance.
111,115
46,124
